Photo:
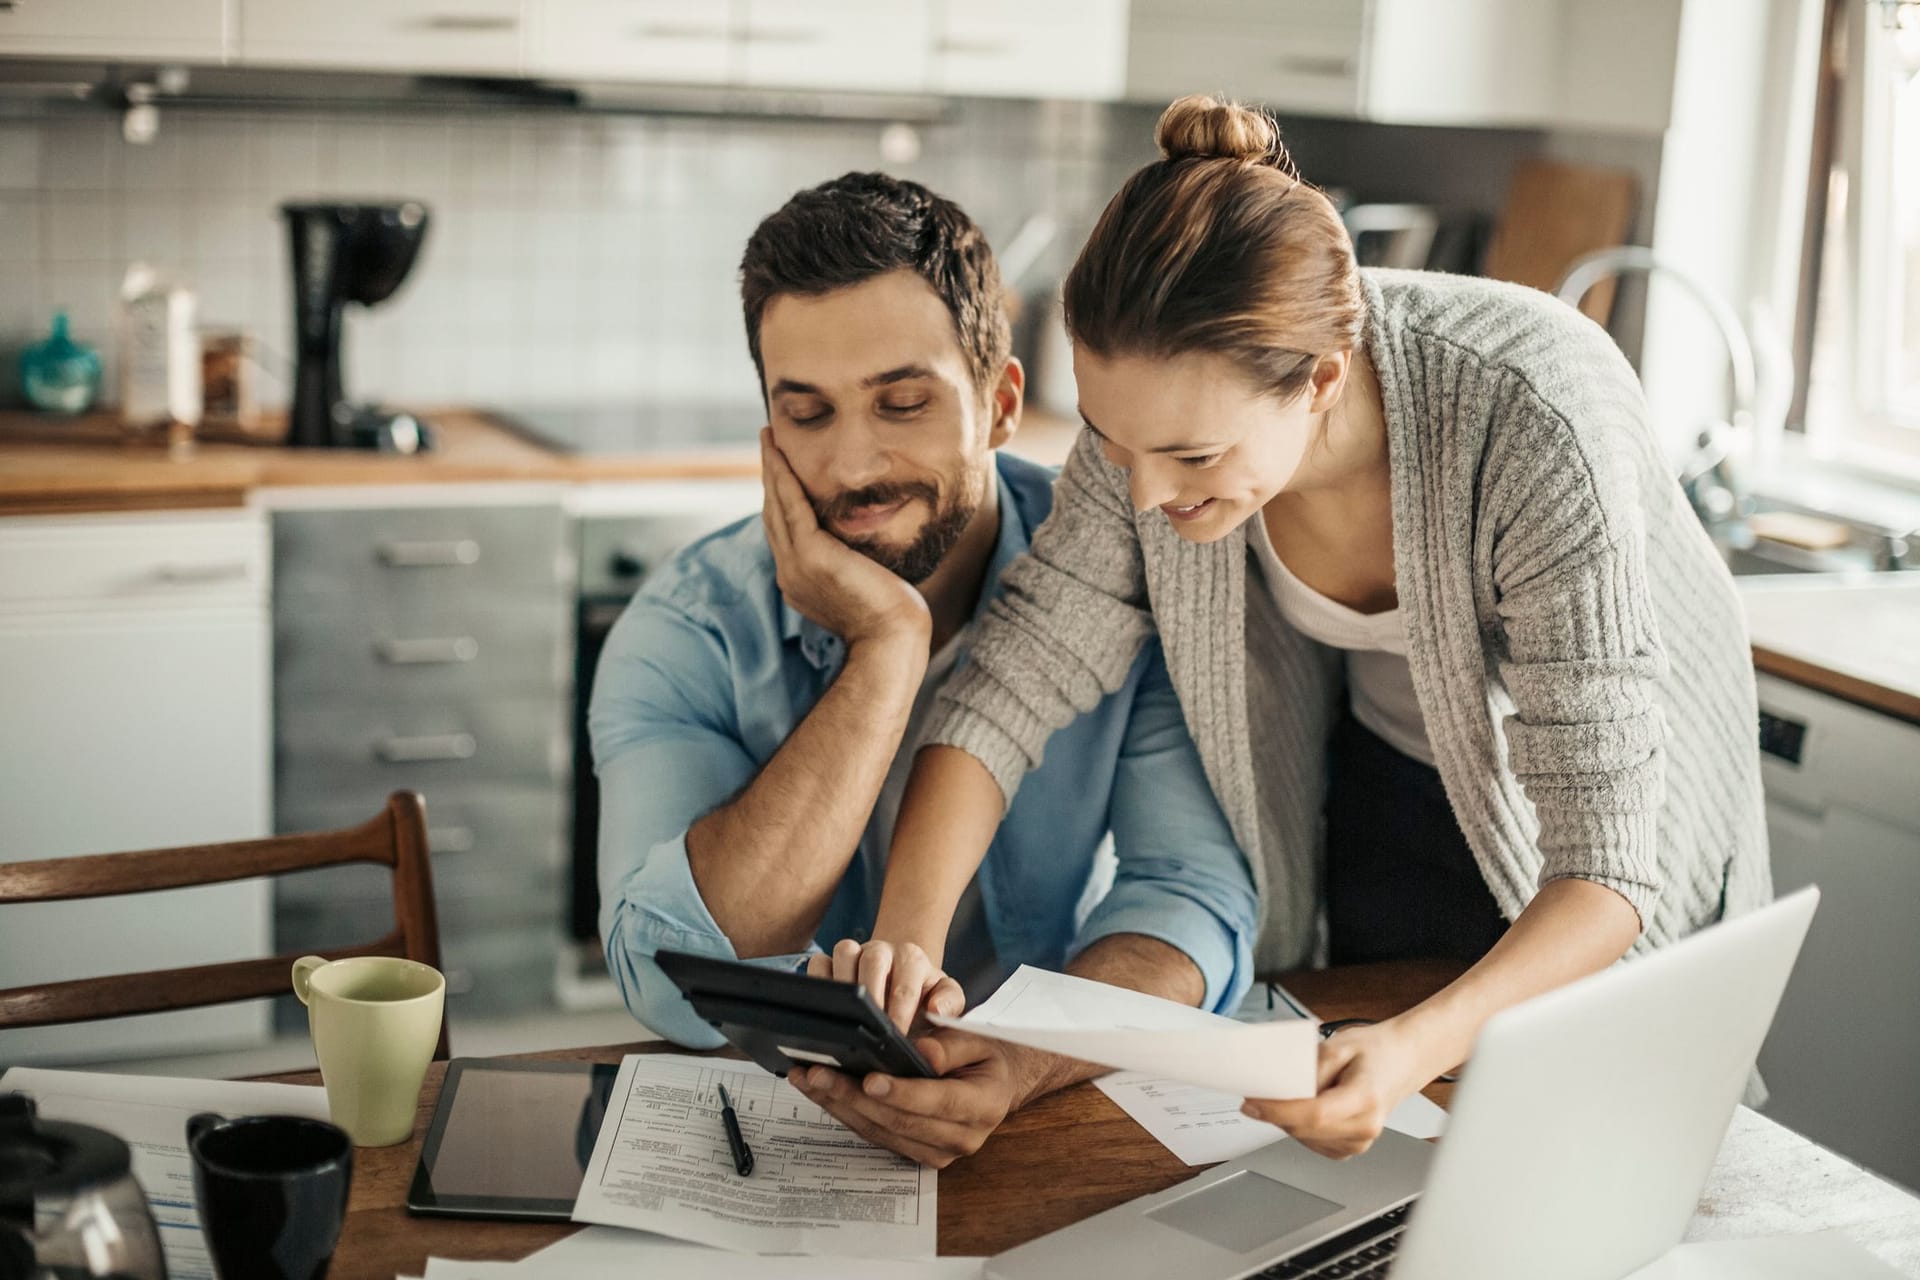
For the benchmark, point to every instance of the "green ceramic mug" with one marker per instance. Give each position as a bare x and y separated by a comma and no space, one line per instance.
375,1022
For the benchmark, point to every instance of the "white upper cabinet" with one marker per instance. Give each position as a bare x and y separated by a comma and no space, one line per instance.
190,30
664,41
1290,55
474,37
1031,48
873,45
1525,63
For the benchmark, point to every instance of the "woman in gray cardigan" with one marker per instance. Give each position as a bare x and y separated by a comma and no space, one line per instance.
1466,674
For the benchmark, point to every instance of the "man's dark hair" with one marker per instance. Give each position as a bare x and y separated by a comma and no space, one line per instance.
863,225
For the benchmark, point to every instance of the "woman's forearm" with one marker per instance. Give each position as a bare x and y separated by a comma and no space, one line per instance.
948,815
1571,928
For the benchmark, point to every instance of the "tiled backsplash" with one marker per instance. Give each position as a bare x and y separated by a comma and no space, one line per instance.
572,258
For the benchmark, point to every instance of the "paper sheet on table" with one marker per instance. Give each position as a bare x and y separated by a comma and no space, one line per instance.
661,1164
1829,1255
150,1114
1131,1031
606,1253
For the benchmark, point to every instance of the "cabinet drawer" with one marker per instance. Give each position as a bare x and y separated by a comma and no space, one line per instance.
141,30
406,35
1032,48
416,650
666,41
504,839
874,45
373,749
378,559
148,561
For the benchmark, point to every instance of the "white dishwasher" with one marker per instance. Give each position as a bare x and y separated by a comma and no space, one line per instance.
1843,811
134,713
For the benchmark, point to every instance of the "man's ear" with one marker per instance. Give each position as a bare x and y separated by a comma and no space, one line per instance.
1005,401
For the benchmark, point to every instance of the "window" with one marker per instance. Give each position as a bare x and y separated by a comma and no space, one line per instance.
1864,374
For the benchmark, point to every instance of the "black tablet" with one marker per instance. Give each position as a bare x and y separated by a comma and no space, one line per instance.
511,1139
785,1020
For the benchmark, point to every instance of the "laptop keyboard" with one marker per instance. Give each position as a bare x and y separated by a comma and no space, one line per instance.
1365,1252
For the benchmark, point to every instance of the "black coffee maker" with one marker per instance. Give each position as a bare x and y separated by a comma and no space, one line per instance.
346,252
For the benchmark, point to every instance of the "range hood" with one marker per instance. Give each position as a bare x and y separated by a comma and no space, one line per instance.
116,85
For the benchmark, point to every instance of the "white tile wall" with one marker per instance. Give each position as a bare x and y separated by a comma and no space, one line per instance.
571,258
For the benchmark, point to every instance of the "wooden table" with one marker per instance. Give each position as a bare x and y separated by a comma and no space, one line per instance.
1067,1157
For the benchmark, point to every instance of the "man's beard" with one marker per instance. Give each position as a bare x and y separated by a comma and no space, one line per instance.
918,559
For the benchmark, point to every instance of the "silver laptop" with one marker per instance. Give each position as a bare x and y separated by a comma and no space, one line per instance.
1578,1143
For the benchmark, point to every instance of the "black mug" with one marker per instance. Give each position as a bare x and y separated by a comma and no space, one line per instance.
272,1192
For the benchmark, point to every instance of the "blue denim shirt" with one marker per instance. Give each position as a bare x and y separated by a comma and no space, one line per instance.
709,670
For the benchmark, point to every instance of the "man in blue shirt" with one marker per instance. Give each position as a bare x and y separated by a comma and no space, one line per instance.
756,707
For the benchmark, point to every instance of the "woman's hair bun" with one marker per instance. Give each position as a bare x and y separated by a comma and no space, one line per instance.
1212,128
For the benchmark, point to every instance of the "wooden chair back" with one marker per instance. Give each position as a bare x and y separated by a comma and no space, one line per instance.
396,837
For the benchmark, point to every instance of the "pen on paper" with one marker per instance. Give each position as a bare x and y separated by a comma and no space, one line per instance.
736,1141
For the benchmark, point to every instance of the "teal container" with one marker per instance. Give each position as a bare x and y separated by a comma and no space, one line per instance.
60,375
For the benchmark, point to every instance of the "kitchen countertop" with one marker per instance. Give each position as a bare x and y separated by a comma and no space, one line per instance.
51,466
1856,637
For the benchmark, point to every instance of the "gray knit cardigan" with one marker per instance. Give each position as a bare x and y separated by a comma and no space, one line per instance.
1577,647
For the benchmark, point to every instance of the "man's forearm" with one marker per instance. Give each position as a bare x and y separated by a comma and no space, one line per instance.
797,824
1130,960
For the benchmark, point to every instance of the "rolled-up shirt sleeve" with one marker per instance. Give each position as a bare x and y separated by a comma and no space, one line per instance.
667,752
1180,876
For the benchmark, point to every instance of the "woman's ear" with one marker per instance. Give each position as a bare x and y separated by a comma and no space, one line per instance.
1005,401
1328,380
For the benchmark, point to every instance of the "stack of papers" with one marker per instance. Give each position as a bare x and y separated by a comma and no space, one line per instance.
600,1253
150,1113
661,1164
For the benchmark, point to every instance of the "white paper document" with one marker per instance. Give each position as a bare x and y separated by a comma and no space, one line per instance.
607,1253
1828,1255
1114,1027
662,1164
149,1113
1205,1126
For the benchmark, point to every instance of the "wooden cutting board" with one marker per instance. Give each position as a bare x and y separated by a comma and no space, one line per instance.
1555,212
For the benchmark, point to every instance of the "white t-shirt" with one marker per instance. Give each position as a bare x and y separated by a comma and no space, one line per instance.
971,958
1378,678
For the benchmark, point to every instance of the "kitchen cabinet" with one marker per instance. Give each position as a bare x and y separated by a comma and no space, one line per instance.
873,45
1031,48
1519,63
660,41
1843,813
135,673
473,37
429,648
194,30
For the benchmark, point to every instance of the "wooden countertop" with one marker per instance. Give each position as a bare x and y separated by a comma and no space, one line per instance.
1856,637
90,464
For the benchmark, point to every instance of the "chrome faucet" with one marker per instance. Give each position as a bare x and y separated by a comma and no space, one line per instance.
1708,475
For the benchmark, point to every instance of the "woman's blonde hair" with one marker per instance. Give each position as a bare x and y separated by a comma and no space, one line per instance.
1219,247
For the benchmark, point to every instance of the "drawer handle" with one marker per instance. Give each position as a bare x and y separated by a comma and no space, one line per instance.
444,840
677,31
429,555
206,571
469,22
977,48
1333,67
432,746
428,651
782,35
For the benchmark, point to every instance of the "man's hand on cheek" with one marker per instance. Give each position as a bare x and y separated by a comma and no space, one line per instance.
932,1121
825,579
